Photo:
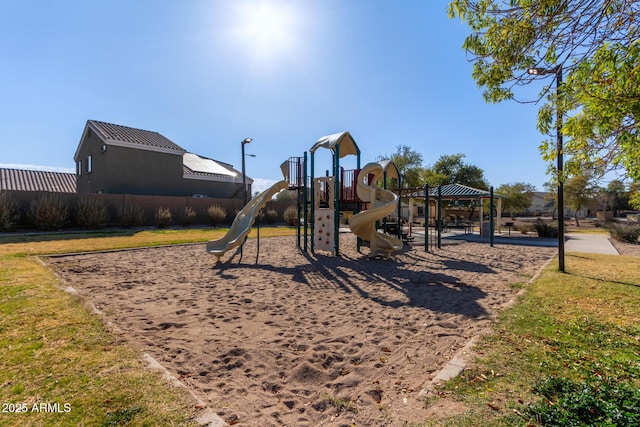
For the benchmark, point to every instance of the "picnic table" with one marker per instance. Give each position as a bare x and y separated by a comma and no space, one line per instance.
392,228
461,225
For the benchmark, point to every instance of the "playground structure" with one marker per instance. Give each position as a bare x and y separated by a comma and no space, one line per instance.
321,200
243,221
360,193
383,202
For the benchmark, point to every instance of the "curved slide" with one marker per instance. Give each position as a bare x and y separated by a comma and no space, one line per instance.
243,221
383,203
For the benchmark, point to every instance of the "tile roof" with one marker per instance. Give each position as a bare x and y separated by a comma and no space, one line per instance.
29,180
112,132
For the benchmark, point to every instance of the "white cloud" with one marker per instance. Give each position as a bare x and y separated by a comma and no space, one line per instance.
261,184
36,167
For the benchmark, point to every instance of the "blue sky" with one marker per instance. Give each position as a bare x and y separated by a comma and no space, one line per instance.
209,73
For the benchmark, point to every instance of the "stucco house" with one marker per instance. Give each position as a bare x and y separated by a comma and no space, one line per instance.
542,203
115,159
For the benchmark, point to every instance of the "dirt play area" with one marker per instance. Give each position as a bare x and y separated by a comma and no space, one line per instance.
303,340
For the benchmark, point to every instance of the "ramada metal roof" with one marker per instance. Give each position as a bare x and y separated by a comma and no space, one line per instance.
30,180
453,191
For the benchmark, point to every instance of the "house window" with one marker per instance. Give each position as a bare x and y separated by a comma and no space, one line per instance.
78,168
89,164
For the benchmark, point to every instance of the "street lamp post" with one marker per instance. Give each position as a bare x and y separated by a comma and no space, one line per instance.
244,177
557,70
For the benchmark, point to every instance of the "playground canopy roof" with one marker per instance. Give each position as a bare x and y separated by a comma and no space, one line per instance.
454,191
390,169
344,140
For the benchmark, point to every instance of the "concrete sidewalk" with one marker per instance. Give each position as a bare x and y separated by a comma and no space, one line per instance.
591,243
574,242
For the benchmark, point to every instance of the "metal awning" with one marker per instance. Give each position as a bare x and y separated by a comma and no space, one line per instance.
453,191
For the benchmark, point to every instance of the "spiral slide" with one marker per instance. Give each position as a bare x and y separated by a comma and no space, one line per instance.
383,203
242,223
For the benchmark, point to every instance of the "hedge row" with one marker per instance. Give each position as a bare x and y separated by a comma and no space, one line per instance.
51,212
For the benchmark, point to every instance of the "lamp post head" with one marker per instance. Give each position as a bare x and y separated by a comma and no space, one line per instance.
244,176
538,71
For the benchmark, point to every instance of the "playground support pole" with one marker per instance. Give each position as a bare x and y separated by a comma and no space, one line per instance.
336,198
298,200
313,202
298,216
358,204
399,205
305,197
426,217
384,186
439,226
258,237
491,221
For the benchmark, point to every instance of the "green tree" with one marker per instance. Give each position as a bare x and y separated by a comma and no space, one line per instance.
287,196
409,163
595,43
518,197
434,178
579,190
451,169
619,198
615,196
604,200
634,194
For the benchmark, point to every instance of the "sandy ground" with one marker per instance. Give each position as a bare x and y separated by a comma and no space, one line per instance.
299,340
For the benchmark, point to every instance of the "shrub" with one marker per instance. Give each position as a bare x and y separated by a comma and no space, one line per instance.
217,214
291,215
49,212
9,212
526,228
624,232
188,216
163,217
597,401
91,213
270,216
130,215
546,229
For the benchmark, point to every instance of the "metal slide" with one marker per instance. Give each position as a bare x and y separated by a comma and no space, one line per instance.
244,220
383,203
